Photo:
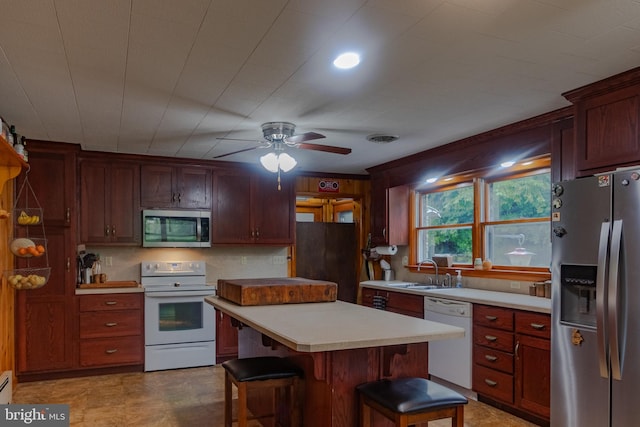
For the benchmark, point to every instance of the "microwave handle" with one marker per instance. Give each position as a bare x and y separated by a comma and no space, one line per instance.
199,230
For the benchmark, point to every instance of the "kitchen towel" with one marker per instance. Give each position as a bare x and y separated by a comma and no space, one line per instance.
386,250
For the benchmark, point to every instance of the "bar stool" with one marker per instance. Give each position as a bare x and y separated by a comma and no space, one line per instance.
259,373
407,401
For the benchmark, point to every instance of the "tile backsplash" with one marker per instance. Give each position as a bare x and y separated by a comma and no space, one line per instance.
222,262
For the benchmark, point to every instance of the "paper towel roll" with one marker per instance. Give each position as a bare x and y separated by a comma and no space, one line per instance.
386,250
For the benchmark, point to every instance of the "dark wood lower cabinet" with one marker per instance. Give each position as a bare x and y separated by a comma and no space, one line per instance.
226,338
512,361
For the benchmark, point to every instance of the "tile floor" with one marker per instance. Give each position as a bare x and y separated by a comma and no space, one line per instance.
181,398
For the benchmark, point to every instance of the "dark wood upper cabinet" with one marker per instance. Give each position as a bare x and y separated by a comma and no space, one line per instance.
390,213
109,202
173,186
607,118
249,209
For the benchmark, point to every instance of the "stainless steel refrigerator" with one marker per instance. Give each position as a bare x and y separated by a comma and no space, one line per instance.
595,356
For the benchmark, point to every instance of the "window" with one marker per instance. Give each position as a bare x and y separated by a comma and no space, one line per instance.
445,220
502,217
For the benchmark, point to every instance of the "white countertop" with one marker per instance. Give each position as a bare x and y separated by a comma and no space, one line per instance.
478,296
339,325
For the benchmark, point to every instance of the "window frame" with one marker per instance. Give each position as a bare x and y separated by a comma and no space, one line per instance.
480,180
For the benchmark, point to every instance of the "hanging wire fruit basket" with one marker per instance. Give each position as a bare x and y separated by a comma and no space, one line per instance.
29,244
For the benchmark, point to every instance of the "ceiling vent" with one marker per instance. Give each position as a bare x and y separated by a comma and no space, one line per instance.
380,138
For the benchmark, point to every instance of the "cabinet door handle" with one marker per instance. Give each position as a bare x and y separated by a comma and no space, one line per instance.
110,302
491,338
113,230
517,347
107,231
68,264
491,318
173,197
490,383
538,326
257,233
111,351
111,324
179,197
490,358
68,215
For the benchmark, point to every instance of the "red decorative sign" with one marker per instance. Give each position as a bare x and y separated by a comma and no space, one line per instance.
327,186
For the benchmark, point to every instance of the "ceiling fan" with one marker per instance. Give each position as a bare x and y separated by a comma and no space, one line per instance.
281,135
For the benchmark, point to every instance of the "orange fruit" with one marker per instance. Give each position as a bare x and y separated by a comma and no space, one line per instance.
40,249
33,251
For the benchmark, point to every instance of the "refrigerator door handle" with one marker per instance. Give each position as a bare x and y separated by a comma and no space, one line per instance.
613,315
601,333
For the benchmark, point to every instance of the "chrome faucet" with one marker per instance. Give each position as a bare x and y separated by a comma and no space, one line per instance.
432,262
447,281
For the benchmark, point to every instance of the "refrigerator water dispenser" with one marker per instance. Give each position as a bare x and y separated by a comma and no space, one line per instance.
578,295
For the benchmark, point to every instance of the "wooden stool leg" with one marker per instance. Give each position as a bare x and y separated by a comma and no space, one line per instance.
365,412
294,399
242,405
227,400
458,418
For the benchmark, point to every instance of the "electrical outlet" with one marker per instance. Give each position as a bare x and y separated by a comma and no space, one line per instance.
515,285
405,260
243,260
108,261
279,259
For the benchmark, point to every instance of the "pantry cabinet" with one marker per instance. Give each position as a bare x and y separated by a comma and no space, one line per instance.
109,202
250,209
512,359
175,186
45,317
111,330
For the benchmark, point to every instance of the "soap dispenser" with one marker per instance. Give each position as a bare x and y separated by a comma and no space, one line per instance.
459,279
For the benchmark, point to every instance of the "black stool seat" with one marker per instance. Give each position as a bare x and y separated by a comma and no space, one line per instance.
408,395
261,368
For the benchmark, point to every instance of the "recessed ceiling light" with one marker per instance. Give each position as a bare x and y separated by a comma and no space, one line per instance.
431,180
347,60
507,164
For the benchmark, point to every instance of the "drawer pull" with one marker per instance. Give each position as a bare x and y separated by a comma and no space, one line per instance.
490,383
491,338
111,351
538,326
491,318
110,302
490,358
111,324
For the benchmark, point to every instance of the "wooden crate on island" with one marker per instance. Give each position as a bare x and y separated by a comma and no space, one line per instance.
283,290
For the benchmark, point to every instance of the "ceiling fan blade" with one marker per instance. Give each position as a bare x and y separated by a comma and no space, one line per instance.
325,148
235,152
302,137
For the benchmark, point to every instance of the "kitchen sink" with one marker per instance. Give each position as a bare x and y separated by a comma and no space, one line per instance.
413,285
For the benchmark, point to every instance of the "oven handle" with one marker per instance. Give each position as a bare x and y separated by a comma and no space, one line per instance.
173,294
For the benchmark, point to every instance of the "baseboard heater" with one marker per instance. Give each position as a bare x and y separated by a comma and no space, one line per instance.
6,387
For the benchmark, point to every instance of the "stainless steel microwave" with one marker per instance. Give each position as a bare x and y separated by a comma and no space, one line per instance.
162,228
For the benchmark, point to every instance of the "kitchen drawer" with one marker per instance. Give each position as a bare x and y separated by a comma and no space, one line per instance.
110,302
493,383
493,338
112,323
405,302
494,359
111,351
367,296
494,317
535,324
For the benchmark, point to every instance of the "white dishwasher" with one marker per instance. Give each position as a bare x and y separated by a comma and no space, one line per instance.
450,359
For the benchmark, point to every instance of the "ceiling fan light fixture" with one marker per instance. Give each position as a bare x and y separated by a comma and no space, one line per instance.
286,162
270,162
277,131
274,162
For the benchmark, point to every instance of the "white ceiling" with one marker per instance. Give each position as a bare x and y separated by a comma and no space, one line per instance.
167,77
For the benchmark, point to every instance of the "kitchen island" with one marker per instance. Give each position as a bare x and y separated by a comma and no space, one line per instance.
338,345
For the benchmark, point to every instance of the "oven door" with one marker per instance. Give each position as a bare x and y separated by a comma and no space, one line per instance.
178,317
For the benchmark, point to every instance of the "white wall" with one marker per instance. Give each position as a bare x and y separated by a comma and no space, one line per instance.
222,262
